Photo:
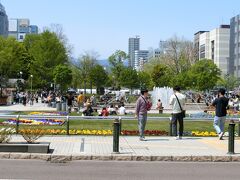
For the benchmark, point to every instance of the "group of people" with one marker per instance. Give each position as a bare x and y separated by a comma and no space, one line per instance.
111,110
143,105
25,98
86,107
177,101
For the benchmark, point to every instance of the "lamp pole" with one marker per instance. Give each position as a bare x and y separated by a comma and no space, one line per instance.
31,83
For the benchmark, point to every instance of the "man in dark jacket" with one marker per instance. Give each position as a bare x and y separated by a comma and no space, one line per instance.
221,104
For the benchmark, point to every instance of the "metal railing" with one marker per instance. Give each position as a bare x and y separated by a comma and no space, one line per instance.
117,124
109,118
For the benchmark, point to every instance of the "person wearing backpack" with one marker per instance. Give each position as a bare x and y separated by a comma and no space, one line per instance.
143,105
177,100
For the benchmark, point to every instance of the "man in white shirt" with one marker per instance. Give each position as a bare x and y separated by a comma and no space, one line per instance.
122,110
177,100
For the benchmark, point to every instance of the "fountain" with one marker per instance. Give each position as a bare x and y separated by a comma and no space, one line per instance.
163,93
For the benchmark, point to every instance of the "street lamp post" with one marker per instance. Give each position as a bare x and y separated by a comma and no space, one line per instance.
31,82
21,75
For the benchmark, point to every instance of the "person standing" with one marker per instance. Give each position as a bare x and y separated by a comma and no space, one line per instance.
221,105
177,100
80,101
70,99
142,107
159,106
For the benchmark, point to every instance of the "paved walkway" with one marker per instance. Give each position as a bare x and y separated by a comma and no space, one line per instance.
130,145
20,107
43,107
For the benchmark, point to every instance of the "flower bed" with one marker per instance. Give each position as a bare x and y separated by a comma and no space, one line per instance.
49,122
48,113
123,132
38,121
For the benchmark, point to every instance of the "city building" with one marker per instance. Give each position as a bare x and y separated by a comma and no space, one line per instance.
196,43
19,28
154,53
141,57
215,45
133,45
3,22
234,54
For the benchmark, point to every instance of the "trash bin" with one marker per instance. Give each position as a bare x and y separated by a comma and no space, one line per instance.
53,104
64,106
59,106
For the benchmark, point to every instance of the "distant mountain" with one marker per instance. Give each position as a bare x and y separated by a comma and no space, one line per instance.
105,62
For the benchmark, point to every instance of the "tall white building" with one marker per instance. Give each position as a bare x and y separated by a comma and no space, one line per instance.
141,57
133,45
234,57
215,45
155,53
19,28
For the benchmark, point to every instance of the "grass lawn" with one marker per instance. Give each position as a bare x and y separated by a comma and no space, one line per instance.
128,124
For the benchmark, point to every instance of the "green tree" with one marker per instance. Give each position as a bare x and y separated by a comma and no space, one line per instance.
161,75
145,80
229,82
13,59
129,78
117,67
85,64
204,74
47,52
98,76
62,76
183,80
76,77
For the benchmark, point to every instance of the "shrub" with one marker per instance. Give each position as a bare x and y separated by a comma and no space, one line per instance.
6,134
31,135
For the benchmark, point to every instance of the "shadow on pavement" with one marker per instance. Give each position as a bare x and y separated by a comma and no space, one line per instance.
157,139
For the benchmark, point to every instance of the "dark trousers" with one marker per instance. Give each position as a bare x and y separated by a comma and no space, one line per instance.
177,118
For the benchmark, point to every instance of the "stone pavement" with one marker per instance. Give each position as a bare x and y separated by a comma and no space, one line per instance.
20,107
43,107
66,148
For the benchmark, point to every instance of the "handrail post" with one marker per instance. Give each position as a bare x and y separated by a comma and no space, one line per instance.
231,131
17,123
116,128
68,125
238,127
170,127
120,125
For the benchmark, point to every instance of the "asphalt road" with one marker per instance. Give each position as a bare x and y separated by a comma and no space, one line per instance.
97,170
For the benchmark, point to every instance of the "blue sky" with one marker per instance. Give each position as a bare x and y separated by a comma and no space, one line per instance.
105,25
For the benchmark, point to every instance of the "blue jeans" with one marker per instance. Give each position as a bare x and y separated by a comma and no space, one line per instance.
142,120
177,118
219,123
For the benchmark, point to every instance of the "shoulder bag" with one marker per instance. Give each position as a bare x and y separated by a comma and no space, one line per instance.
183,112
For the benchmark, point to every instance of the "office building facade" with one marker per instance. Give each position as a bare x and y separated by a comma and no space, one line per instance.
197,43
19,28
3,22
141,57
133,45
234,54
215,45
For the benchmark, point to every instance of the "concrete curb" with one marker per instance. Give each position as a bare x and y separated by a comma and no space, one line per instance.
118,157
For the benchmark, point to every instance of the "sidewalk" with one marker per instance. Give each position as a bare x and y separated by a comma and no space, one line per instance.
43,107
66,148
20,107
